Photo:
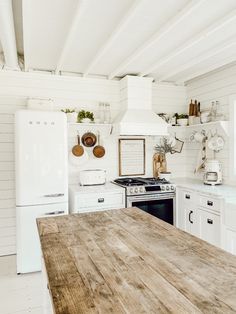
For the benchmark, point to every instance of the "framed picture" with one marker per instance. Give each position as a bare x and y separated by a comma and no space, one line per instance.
131,156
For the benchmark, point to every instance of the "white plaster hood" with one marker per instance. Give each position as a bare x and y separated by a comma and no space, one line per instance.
138,118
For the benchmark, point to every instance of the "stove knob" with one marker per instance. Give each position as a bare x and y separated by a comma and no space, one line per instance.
163,188
136,190
131,190
172,187
141,190
167,188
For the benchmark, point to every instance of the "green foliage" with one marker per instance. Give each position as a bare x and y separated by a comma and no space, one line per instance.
181,116
85,114
67,110
164,147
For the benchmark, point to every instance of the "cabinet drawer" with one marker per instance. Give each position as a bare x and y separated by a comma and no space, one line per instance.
210,202
99,201
187,196
209,227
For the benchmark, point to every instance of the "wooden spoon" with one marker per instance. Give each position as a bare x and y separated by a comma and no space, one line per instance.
78,149
99,151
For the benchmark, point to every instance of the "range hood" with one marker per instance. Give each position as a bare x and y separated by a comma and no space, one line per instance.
138,118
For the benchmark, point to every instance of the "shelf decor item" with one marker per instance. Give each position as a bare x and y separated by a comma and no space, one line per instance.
71,114
85,116
182,119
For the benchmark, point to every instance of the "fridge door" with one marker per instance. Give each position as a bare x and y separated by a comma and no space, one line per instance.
41,157
28,245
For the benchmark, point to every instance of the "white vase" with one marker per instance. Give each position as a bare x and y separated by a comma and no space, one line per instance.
182,122
72,117
86,120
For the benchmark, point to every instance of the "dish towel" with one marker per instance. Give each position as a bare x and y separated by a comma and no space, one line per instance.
201,157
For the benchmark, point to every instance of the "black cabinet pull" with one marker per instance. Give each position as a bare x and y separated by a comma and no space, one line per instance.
187,196
210,221
189,216
209,203
101,200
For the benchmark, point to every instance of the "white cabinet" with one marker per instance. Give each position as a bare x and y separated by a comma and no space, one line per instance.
229,228
199,214
192,221
94,198
230,241
209,227
187,217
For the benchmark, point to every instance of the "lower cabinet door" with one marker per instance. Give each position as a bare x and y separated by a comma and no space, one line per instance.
230,241
192,221
209,224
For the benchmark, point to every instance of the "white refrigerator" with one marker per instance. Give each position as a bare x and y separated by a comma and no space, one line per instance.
41,179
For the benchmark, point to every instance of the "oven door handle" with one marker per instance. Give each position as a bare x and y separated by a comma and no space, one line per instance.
150,197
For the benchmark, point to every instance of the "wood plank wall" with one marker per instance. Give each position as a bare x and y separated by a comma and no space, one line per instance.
219,85
16,87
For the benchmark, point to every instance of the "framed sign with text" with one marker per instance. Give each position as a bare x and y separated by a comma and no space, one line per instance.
131,157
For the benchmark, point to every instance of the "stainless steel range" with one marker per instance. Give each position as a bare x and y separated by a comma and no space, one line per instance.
155,196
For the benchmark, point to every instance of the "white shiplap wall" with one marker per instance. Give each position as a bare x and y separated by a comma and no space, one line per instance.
16,87
219,85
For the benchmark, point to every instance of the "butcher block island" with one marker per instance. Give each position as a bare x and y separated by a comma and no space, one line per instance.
127,261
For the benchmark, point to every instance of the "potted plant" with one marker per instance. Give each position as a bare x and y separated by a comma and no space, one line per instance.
71,114
85,116
182,119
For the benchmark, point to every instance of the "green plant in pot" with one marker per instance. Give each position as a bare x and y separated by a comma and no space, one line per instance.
85,116
71,114
182,119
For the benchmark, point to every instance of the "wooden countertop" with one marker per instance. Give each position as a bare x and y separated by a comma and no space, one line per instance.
127,261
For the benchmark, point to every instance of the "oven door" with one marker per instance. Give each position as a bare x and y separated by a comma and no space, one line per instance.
161,206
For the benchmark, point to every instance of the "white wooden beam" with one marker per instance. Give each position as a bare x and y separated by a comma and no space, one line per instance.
120,27
212,66
187,10
7,35
193,41
197,60
26,31
82,5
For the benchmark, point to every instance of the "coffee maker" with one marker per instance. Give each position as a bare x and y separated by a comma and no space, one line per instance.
213,172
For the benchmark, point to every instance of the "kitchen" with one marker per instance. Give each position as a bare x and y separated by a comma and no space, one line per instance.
199,64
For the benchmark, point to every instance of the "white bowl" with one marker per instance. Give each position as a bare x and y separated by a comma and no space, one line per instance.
182,122
165,175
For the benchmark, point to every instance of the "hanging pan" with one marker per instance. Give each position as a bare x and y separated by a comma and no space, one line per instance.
99,150
78,149
89,139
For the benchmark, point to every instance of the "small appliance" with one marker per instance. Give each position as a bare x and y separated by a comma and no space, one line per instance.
92,177
213,172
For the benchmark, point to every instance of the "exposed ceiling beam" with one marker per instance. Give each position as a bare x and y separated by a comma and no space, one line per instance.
193,41
212,66
176,19
108,43
7,35
197,60
26,32
82,5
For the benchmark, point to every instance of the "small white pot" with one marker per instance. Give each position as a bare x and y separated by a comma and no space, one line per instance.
165,175
86,120
182,122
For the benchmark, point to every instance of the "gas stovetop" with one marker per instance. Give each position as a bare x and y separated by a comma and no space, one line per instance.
140,185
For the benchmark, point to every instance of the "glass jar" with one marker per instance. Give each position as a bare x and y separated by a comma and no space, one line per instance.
107,114
101,112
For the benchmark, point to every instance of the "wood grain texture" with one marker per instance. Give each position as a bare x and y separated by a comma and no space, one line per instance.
127,261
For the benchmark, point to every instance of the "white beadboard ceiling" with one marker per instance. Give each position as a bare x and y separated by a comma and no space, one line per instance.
171,40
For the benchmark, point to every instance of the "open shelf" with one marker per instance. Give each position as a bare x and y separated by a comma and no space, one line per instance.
223,125
105,129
